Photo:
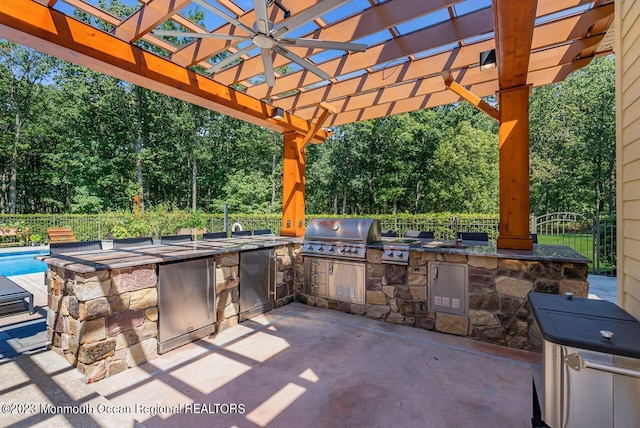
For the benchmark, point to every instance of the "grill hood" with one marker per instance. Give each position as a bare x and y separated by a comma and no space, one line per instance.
354,230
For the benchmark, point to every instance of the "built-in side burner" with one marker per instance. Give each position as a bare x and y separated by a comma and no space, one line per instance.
396,251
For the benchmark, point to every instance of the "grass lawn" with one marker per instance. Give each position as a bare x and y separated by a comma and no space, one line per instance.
581,242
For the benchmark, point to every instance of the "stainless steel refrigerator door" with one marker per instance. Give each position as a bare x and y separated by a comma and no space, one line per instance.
256,278
186,301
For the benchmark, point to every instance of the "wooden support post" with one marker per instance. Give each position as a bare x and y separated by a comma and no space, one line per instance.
514,169
293,181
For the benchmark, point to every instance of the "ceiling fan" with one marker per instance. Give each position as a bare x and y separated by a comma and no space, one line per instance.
269,38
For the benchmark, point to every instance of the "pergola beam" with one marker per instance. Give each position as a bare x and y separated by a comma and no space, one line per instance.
49,31
469,96
317,126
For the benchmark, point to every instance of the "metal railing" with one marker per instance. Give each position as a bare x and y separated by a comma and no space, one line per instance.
594,238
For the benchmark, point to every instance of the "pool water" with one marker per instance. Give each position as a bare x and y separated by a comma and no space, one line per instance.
21,263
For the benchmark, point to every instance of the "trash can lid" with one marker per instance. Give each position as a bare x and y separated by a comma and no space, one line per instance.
586,324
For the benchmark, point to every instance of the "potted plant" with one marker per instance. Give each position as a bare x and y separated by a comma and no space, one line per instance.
36,239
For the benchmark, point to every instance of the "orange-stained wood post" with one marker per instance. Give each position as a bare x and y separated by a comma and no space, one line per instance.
514,169
293,179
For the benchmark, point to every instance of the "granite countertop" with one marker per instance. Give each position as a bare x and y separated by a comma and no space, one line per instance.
540,252
91,261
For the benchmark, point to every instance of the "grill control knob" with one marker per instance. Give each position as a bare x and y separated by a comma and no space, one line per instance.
399,254
332,249
390,253
342,249
320,248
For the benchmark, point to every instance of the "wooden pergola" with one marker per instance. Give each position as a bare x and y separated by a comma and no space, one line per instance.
420,54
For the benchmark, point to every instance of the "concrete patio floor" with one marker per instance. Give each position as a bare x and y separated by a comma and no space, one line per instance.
295,366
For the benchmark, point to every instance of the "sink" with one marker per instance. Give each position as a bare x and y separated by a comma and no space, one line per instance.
451,246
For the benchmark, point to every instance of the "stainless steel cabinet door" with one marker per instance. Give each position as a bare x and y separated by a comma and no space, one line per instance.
448,287
257,272
346,281
186,300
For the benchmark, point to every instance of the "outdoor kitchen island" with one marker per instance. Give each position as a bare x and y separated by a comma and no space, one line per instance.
471,289
105,308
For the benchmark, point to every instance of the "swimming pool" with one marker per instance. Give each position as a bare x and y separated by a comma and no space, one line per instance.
20,263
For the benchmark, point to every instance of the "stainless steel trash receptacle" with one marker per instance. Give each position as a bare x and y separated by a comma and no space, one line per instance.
589,374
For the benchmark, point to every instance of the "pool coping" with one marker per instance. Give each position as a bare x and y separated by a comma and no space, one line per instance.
7,250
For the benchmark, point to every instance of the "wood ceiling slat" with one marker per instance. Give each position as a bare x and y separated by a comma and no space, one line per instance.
94,11
465,57
541,60
200,50
574,27
442,34
51,32
231,6
547,7
370,21
457,58
147,18
49,3
434,65
537,78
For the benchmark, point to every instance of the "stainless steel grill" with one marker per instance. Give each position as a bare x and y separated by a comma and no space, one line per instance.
335,251
345,238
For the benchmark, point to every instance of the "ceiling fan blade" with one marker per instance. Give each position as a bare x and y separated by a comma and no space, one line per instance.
324,44
306,16
199,35
230,59
262,16
268,67
230,19
301,62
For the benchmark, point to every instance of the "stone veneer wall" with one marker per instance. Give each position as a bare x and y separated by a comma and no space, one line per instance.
105,322
498,308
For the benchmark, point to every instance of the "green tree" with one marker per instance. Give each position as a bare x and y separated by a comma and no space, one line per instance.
22,73
465,172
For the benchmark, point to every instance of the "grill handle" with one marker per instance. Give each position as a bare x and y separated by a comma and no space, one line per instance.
576,362
611,369
435,272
